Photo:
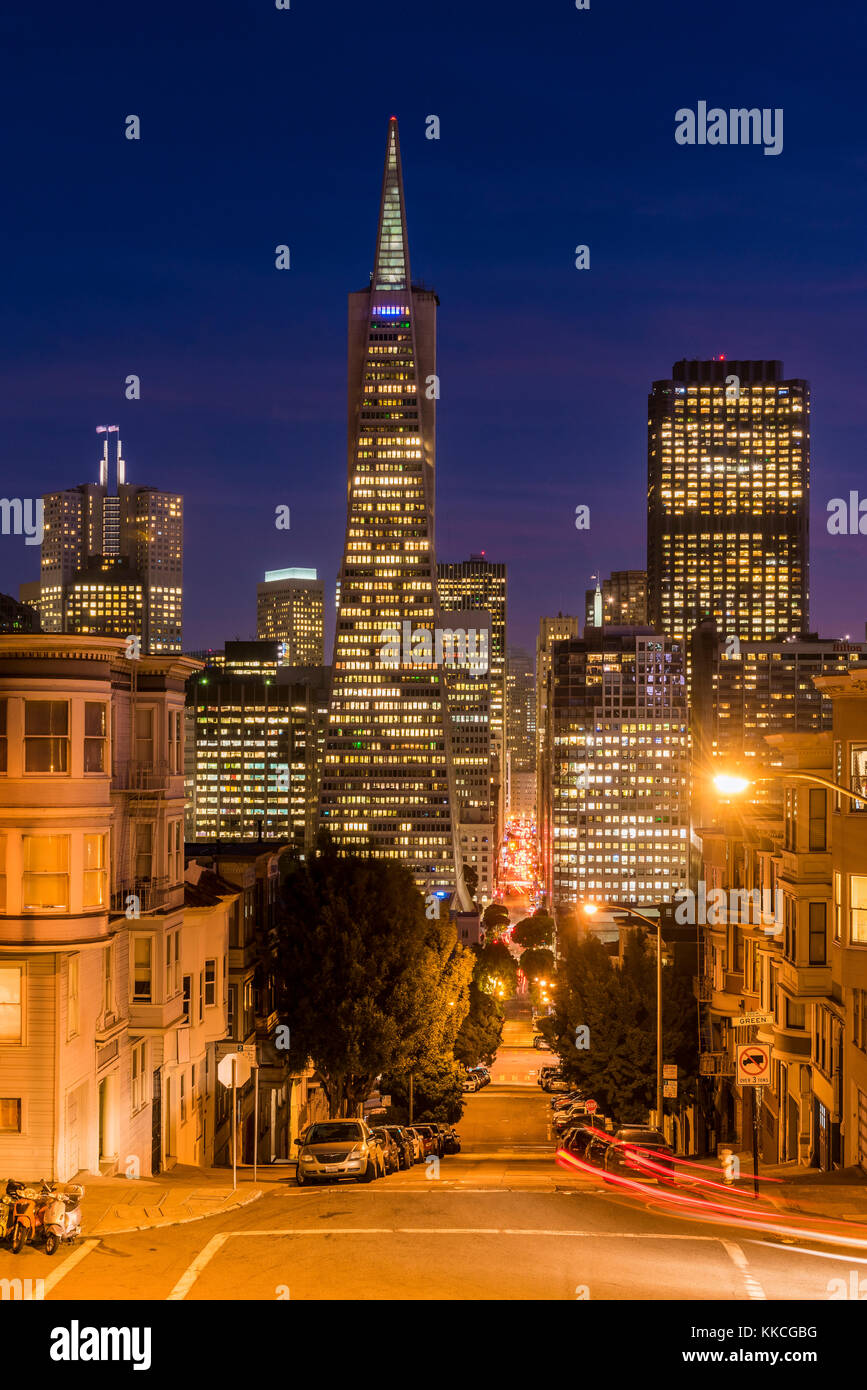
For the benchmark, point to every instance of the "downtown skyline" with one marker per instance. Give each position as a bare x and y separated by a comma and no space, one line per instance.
243,366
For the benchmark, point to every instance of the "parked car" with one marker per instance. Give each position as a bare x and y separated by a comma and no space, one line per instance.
441,1131
417,1144
541,1043
392,1153
566,1118
637,1151
471,1082
405,1147
334,1149
432,1142
483,1075
578,1138
563,1102
545,1073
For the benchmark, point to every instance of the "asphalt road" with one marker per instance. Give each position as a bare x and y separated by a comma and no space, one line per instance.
500,1221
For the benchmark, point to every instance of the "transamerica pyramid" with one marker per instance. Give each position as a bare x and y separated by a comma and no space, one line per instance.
387,782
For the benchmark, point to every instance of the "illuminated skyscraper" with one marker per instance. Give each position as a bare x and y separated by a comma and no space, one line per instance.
289,609
623,600
727,497
387,781
112,559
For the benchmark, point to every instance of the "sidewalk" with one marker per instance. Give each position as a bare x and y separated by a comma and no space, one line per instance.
115,1205
841,1194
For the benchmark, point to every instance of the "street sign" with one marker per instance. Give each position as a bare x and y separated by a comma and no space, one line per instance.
234,1068
669,1088
591,1107
669,1072
754,1020
228,1049
754,1064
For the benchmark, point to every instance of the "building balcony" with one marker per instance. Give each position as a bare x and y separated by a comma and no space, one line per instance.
153,894
154,779
148,1017
716,1064
792,1044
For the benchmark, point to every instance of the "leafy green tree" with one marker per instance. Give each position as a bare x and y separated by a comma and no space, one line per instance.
480,1033
367,984
496,962
495,920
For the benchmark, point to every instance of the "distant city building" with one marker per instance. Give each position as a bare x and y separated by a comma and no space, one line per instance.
480,584
468,694
290,606
551,631
17,617
387,784
112,559
478,849
254,738
520,733
743,691
617,746
728,500
621,599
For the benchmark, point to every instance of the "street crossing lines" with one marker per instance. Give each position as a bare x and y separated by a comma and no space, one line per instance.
68,1265
736,1254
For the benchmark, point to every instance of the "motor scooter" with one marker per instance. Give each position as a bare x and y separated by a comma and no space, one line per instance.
61,1217
28,1206
7,1217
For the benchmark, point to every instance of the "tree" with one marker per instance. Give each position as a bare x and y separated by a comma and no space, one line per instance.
437,1091
535,931
366,982
496,963
604,1024
481,1031
495,919
538,965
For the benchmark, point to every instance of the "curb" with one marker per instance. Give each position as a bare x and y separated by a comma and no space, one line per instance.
100,1233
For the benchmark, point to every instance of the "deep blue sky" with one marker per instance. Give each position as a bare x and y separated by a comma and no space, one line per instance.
262,127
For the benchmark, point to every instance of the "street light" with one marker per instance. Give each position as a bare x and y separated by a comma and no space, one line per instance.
733,784
590,909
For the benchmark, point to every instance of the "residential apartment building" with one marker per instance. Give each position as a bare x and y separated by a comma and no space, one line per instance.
94,1036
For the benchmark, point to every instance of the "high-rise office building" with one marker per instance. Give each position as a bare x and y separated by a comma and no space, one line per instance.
743,691
387,784
17,617
620,599
728,500
112,559
520,733
617,741
254,732
290,607
551,630
468,586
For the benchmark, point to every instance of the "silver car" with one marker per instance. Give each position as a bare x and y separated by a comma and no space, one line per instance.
334,1149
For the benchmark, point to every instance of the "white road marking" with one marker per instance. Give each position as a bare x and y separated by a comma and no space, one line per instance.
737,1256
69,1264
799,1250
204,1257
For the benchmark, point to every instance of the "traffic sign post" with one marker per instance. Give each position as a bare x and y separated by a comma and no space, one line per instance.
754,1064
669,1090
234,1069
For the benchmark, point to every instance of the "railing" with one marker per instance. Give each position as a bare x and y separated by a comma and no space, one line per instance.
150,895
703,985
716,1064
134,776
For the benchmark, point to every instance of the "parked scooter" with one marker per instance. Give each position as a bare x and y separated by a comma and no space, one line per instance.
28,1206
7,1217
61,1217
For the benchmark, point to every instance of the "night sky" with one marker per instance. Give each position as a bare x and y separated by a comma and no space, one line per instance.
262,127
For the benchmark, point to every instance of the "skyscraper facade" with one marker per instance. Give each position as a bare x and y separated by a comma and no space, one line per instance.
387,782
623,600
617,740
290,606
728,500
551,631
520,733
112,559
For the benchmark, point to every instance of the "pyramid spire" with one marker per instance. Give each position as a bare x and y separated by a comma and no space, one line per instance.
392,244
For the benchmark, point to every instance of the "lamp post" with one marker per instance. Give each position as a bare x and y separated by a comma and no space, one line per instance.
734,784
590,909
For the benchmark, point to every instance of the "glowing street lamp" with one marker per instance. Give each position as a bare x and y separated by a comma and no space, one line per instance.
734,784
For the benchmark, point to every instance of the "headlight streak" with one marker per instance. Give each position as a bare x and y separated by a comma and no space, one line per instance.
718,1213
